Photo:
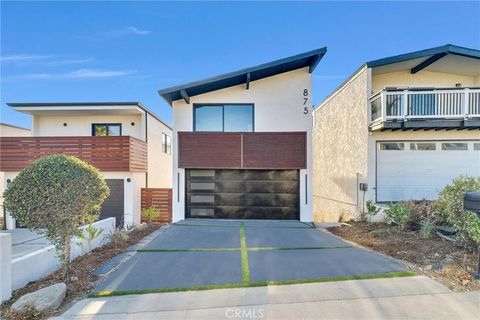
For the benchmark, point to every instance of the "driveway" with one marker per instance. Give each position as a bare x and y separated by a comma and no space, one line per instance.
206,254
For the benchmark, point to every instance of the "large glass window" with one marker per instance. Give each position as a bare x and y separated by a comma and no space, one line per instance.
227,118
106,129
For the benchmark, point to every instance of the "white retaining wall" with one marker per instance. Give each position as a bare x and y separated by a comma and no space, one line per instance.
41,263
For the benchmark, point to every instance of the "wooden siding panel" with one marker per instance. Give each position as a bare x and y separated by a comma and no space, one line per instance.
160,198
122,153
209,150
278,150
253,150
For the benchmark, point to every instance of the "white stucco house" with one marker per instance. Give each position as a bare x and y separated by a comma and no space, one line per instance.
399,128
128,143
242,142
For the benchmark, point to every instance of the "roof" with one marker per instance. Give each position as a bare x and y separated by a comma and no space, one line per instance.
307,59
87,104
13,126
446,49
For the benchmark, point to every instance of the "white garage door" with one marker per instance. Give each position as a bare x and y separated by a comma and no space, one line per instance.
419,169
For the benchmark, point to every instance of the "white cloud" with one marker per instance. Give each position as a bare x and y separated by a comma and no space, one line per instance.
58,63
23,57
134,30
81,74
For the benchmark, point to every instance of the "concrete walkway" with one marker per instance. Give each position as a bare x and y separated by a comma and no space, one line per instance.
416,297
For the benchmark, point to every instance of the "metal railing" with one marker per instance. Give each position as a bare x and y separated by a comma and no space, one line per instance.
436,103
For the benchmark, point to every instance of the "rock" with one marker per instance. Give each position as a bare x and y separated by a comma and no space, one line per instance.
443,264
428,267
46,298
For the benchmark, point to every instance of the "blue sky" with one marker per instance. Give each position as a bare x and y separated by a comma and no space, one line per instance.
126,51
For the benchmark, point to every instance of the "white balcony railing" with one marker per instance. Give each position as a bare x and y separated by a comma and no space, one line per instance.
425,104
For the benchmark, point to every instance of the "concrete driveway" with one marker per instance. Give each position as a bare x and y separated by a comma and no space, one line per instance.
208,254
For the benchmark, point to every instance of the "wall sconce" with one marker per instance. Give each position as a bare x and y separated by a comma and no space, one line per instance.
132,123
128,179
458,85
64,124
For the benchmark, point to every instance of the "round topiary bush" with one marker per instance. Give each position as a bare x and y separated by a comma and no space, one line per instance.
57,194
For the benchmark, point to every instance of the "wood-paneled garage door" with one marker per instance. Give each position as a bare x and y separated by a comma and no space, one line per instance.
113,206
242,194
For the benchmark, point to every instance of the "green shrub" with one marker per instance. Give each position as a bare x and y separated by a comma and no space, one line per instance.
57,194
426,228
372,210
448,209
398,213
150,213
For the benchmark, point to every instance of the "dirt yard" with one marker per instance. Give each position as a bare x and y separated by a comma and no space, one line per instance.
81,278
437,258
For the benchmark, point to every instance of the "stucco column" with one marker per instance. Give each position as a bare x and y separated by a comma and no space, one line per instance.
5,266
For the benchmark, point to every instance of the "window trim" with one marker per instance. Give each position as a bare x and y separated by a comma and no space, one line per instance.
198,105
443,147
106,124
167,146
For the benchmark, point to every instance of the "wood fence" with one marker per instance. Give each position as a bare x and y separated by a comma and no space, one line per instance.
160,198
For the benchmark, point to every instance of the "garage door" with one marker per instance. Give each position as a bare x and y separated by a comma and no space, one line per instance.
242,194
113,205
420,169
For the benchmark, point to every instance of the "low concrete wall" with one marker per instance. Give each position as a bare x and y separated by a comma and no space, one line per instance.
5,266
38,264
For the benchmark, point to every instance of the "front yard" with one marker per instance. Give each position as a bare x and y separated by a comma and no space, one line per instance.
439,259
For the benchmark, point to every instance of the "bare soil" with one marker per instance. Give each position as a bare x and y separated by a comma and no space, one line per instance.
422,255
81,278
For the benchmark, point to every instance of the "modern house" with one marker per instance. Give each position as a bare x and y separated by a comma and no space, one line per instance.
399,128
242,142
129,144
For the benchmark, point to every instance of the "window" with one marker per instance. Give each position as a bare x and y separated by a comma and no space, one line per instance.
223,118
392,146
476,146
106,129
166,144
454,146
421,146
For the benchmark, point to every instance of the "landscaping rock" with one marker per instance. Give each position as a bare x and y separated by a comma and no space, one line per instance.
47,298
443,264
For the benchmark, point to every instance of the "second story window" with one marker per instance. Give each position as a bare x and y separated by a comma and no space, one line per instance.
166,144
223,117
106,129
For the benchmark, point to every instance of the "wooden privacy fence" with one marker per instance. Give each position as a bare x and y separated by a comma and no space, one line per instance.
160,198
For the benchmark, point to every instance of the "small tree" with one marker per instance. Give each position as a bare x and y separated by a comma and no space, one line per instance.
57,194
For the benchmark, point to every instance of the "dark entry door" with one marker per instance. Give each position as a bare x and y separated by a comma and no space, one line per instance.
242,194
113,205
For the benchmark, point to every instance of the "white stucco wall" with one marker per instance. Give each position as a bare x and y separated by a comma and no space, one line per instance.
340,151
159,162
279,106
421,79
13,131
82,125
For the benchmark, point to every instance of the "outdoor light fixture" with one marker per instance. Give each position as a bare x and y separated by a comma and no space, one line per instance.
132,123
128,179
64,124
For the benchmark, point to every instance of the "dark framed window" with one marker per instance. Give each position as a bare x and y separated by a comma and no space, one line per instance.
166,143
223,117
106,129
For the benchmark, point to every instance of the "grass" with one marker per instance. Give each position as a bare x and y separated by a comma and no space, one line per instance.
254,284
241,248
244,253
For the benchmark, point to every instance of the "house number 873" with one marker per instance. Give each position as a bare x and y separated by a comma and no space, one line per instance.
305,100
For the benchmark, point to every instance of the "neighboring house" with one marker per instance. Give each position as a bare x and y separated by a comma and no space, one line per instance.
242,142
8,130
401,127
129,144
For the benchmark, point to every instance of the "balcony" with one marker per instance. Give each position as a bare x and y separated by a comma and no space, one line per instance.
246,150
434,108
122,153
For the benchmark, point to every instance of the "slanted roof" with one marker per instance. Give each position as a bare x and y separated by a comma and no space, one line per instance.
308,59
439,52
73,107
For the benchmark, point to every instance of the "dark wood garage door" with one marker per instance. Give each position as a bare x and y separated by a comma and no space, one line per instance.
113,205
242,194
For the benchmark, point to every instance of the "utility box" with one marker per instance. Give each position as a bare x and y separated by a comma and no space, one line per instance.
471,202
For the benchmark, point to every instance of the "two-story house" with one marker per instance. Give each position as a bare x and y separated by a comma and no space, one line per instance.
400,128
242,142
128,143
